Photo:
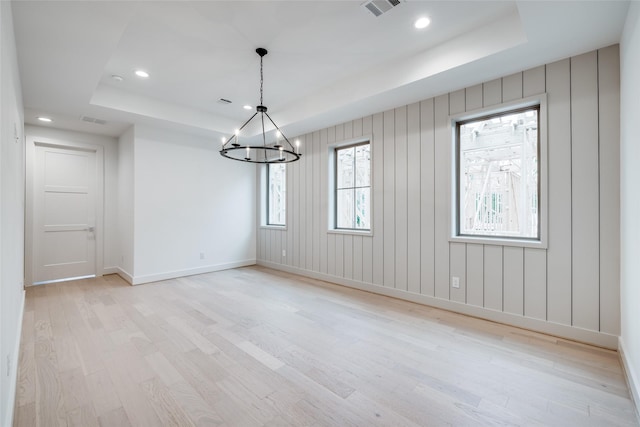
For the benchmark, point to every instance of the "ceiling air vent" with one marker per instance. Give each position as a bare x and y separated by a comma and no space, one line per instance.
378,7
93,120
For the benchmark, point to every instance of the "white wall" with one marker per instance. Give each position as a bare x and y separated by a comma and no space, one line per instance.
12,207
189,201
570,289
110,149
126,204
630,197
165,203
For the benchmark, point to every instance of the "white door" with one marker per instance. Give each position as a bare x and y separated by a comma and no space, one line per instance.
64,213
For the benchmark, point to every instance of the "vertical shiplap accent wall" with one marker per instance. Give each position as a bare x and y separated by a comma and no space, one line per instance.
568,288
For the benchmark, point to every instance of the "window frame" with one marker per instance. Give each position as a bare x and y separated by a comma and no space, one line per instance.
333,186
537,101
267,223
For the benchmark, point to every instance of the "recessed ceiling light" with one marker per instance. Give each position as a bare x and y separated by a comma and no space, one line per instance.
45,119
142,73
247,107
117,78
422,23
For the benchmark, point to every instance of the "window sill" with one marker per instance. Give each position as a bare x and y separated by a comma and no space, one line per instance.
499,241
274,227
350,232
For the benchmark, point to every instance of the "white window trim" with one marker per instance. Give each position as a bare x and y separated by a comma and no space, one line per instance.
331,158
349,231
273,227
543,205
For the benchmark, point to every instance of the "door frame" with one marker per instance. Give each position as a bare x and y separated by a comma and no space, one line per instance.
32,143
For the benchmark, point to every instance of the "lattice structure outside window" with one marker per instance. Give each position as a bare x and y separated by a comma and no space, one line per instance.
277,194
498,172
353,187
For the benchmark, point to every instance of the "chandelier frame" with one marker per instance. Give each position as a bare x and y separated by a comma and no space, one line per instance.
282,151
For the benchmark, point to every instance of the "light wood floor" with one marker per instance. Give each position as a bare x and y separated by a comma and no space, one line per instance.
253,347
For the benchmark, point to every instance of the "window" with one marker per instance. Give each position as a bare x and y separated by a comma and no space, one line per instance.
353,187
276,194
498,175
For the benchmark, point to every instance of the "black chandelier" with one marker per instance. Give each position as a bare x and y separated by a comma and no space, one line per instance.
280,151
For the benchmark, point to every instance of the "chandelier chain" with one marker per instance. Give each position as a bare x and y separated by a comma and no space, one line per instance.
261,81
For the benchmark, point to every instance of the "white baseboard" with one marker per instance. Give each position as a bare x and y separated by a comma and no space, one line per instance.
13,375
125,275
138,280
110,270
563,331
630,374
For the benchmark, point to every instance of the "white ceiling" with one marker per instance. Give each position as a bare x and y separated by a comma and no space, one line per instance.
328,61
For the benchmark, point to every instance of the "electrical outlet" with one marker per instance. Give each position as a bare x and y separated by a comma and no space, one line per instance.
201,255
455,282
284,253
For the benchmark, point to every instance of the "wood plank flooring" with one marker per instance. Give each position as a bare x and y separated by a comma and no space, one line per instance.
256,347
